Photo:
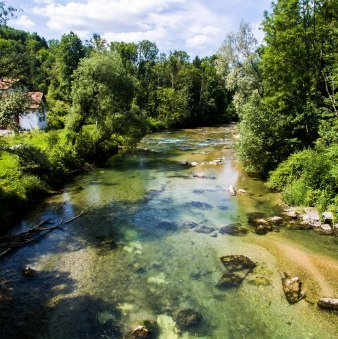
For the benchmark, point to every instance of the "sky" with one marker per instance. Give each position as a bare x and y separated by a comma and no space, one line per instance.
195,26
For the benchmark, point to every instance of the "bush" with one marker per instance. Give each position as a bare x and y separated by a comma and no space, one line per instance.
309,178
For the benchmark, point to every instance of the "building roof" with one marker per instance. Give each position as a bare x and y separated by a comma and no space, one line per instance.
6,83
36,98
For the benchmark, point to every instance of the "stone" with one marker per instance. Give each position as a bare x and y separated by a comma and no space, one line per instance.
292,287
29,272
189,225
263,229
204,229
194,163
237,263
230,280
275,220
199,175
259,281
290,213
328,303
324,229
201,205
234,230
188,318
167,225
253,217
148,329
214,234
327,217
232,190
311,220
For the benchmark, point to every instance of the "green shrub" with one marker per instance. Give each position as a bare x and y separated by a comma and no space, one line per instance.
309,178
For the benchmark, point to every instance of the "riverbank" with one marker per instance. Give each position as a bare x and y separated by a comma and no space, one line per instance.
35,165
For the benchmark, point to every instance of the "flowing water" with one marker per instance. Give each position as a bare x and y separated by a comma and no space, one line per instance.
128,259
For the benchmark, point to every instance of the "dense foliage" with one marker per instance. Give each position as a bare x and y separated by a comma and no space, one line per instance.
285,93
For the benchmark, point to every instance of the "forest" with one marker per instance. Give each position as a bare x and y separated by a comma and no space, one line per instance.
101,96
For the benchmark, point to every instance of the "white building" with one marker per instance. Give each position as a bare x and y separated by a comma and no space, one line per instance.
35,115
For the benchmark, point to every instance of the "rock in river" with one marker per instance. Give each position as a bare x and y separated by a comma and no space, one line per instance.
188,318
233,229
237,263
292,288
204,229
149,329
263,229
328,303
230,280
29,272
189,225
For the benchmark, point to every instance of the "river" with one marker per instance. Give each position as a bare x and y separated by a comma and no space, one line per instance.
130,258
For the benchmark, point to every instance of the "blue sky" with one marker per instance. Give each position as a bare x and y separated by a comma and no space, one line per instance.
198,26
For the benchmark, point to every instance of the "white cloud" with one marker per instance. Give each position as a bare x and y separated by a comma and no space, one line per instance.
23,21
198,26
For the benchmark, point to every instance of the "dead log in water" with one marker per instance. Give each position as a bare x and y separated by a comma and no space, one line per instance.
9,243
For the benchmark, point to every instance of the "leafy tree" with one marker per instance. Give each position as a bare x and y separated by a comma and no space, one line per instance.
6,13
68,54
13,105
102,94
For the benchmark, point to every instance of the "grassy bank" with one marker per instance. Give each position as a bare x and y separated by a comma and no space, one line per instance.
35,164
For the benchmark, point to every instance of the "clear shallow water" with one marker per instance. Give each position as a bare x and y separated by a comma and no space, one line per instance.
128,259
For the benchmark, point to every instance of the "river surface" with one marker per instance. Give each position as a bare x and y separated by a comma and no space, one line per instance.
129,259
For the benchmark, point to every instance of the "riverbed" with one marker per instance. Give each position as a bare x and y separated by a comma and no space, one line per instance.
131,256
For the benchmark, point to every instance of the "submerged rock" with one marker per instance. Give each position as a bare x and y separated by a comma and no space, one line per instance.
263,229
167,225
233,229
259,281
292,288
204,229
149,329
189,225
188,318
237,263
328,303
253,218
230,280
214,234
201,205
29,272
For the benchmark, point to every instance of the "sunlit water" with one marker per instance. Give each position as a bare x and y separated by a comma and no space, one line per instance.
128,259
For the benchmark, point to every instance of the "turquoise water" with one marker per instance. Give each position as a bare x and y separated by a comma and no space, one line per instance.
129,258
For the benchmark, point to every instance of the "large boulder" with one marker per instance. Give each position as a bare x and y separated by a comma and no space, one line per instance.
263,229
324,229
328,303
235,263
230,280
187,319
327,217
292,287
234,229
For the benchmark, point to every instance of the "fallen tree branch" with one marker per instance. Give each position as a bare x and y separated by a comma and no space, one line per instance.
10,243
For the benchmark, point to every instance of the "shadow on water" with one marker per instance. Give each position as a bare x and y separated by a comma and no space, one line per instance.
27,309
